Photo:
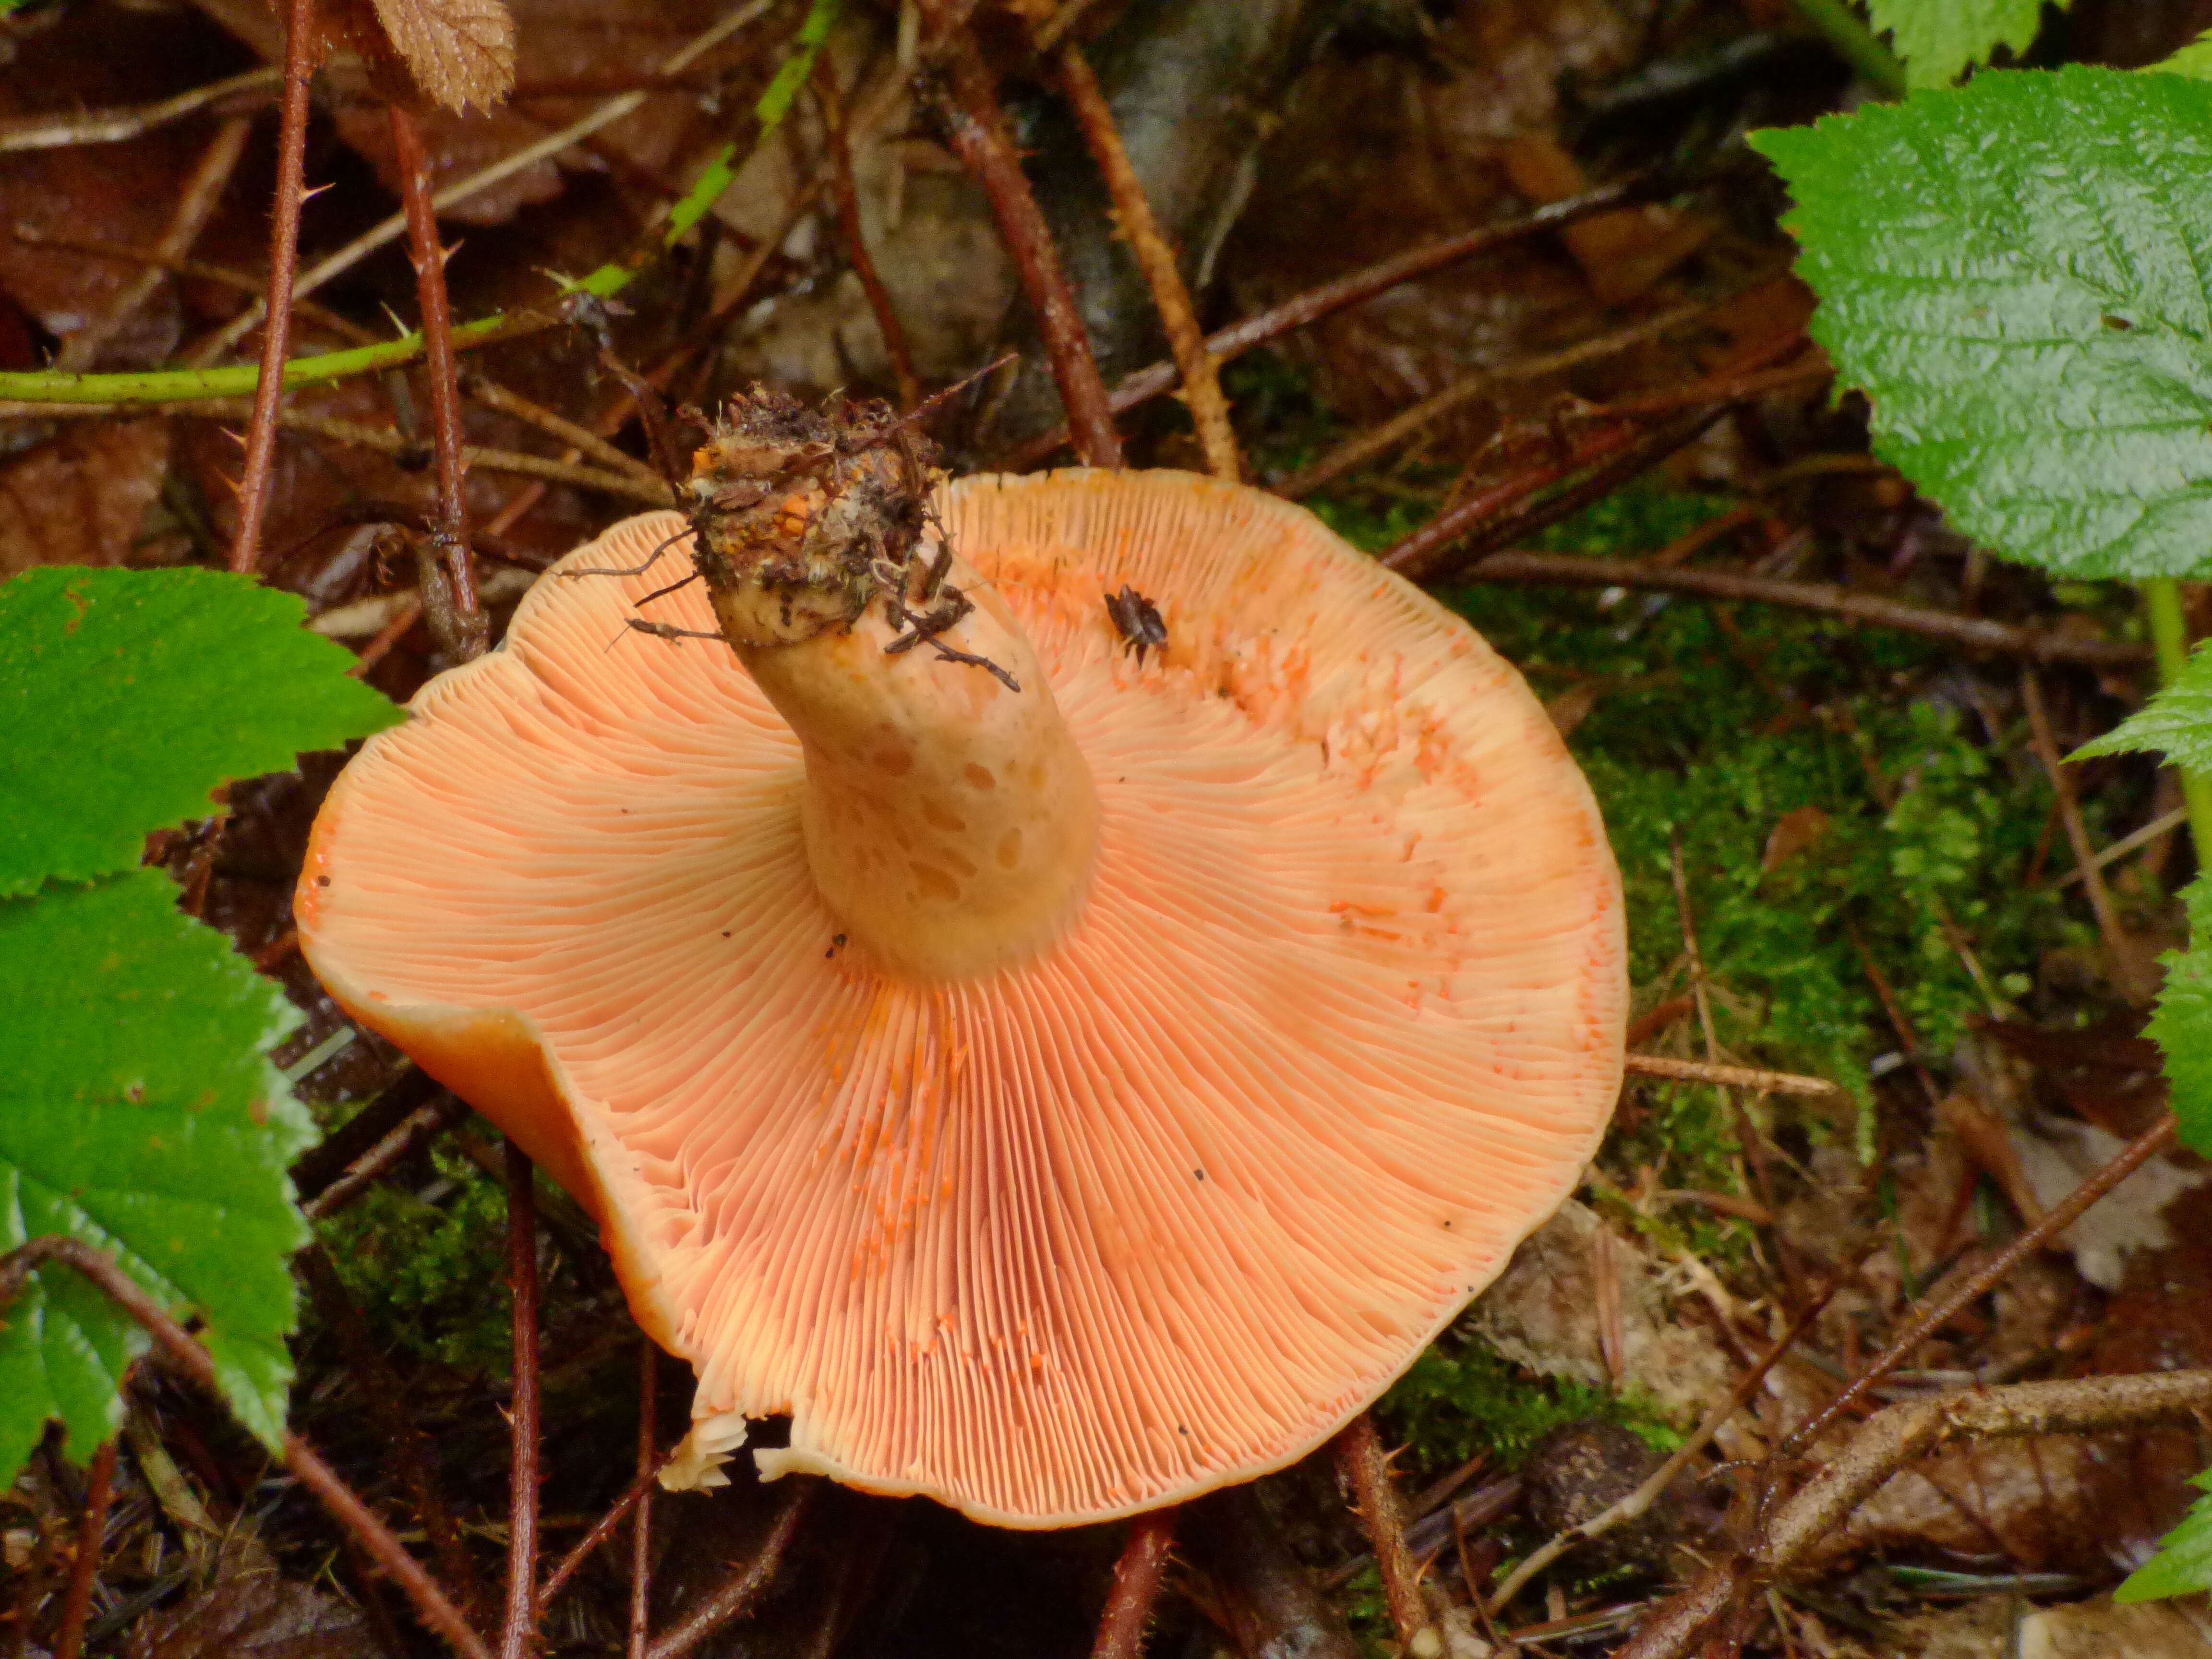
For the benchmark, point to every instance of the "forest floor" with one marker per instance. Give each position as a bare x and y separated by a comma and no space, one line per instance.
1821,726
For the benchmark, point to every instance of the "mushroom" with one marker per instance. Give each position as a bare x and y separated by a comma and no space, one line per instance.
1062,1080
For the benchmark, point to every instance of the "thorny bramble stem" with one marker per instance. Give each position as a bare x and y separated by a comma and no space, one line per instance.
521,1622
976,129
316,1476
91,1544
648,1461
451,603
1363,1468
1201,382
1137,1573
284,264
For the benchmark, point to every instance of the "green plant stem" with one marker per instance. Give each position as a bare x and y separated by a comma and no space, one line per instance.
1861,48
2169,637
186,386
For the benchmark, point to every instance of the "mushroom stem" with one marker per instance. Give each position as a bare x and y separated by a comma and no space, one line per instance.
950,821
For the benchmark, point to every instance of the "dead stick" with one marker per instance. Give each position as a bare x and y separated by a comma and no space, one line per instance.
2132,983
466,628
2061,1216
1201,380
416,1128
1894,1436
976,128
1823,599
648,1462
521,1621
194,1361
91,1545
1361,1467
1629,1508
1137,1573
1302,310
299,44
1728,1076
744,1587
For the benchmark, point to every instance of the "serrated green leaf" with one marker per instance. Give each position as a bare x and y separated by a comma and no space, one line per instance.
2181,1025
2183,1561
137,1113
126,695
2177,722
2016,272
1938,39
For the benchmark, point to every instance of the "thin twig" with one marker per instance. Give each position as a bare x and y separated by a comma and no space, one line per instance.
303,311
1137,1572
736,1596
1893,1437
602,1530
1824,599
458,617
391,229
110,126
1363,447
492,395
420,1125
2061,1216
194,1361
299,44
520,1623
1627,1509
196,200
847,201
648,1464
91,1545
2127,976
2165,824
1361,1467
1303,310
975,127
1155,258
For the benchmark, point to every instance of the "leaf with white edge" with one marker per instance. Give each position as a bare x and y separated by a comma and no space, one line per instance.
1939,38
2183,1562
127,695
2015,272
2177,722
138,1115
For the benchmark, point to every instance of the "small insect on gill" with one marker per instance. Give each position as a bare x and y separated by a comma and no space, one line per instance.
1137,620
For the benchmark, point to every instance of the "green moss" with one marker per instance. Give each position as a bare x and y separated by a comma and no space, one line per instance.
1462,1397
430,1278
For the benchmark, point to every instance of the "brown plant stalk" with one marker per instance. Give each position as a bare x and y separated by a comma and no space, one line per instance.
91,1544
307,1466
1137,1573
519,1625
1363,1468
458,617
299,43
1155,258
975,127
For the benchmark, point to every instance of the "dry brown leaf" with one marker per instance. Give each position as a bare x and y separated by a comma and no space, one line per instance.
250,1614
455,53
81,498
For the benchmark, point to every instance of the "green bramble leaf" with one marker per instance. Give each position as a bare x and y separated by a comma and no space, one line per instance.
2176,722
1938,39
2183,1561
2016,272
2181,1025
126,695
138,1115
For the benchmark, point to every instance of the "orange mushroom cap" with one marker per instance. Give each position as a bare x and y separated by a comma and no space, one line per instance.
1334,1019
